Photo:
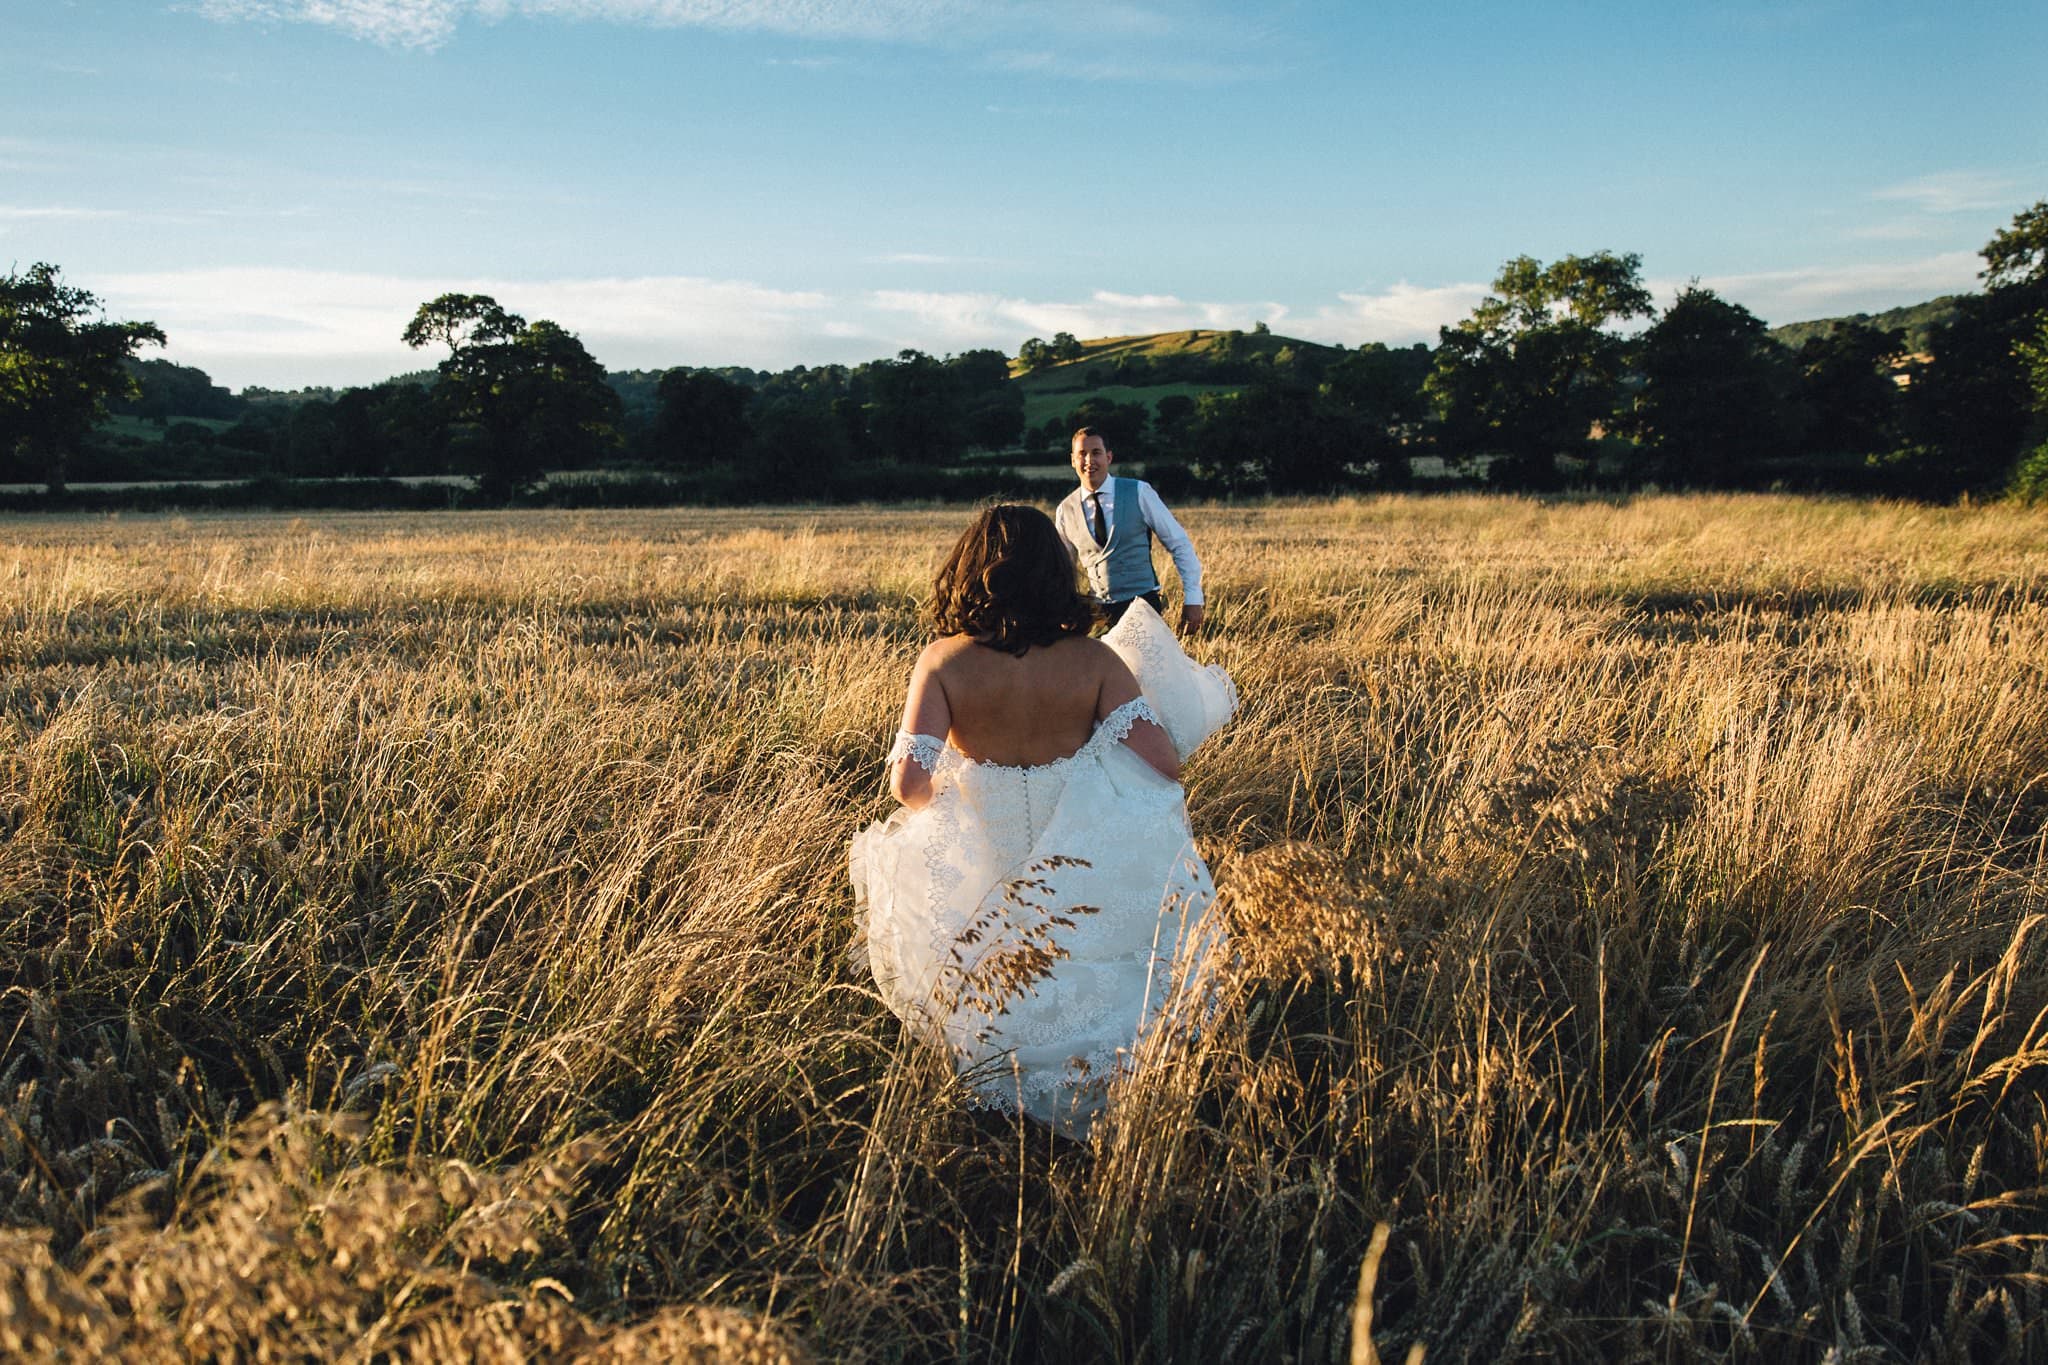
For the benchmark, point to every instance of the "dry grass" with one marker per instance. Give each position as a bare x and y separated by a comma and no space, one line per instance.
426,937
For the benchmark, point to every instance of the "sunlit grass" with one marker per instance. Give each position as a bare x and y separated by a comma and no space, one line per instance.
426,936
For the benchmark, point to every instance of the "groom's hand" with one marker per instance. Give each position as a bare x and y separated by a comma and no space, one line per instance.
1190,618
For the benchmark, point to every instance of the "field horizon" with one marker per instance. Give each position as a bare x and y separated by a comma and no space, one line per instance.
426,937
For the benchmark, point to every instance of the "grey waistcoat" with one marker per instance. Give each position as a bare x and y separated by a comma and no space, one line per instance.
1123,568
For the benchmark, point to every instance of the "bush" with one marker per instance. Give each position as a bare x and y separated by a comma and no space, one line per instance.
2030,476
1173,481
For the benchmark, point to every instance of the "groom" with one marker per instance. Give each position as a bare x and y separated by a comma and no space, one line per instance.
1109,525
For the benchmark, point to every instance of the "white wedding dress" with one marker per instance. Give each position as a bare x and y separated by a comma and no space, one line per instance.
1040,921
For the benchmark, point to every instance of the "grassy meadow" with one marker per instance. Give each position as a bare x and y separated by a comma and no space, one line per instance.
425,937
1043,402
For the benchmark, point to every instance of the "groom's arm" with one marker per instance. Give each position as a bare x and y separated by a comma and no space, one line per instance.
1186,562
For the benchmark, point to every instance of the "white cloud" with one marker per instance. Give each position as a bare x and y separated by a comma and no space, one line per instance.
1071,39
965,319
1141,66
1399,315
1954,192
1780,296
923,258
395,23
430,23
1896,230
287,328
1408,313
808,18
14,213
1026,63
1130,19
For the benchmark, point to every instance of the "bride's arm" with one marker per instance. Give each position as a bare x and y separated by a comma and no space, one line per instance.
1146,739
925,712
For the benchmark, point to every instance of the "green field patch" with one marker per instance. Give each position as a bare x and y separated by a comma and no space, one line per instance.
1042,405
148,429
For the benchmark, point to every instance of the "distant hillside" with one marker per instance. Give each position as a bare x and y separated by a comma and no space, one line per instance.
1127,384
1915,320
1098,360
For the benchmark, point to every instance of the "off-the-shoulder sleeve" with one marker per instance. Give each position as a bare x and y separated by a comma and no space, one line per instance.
923,750
1114,727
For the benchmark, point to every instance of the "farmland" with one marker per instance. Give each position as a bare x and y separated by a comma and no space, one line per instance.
426,936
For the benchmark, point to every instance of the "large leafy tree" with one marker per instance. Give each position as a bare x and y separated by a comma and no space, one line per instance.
166,390
991,407
2016,257
1380,385
1537,364
1125,426
386,430
1972,409
1848,385
2030,476
913,414
701,419
797,443
462,323
1713,405
60,361
530,391
1289,439
1378,389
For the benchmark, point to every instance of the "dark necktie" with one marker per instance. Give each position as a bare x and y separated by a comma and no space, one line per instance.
1095,526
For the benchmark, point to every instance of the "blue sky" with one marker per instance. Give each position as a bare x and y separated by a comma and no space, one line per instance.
279,183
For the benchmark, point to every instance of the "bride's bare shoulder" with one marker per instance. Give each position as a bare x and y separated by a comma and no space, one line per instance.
1076,658
1080,651
943,650
1097,653
1085,658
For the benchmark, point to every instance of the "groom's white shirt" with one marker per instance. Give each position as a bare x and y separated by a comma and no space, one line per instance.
1072,524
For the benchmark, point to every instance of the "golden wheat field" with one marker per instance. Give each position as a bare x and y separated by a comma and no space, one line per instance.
425,938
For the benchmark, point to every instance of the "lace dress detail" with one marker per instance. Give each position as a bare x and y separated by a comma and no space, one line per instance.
1037,920
1115,727
923,750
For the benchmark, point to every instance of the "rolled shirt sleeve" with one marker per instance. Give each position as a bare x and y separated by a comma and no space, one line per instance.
1170,534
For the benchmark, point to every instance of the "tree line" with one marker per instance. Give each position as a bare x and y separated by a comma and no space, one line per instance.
1541,382
1542,386
509,401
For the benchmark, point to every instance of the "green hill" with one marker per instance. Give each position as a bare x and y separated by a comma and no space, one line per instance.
1916,320
1197,349
1146,369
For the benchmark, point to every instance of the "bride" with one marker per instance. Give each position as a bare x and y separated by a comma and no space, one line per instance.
1036,906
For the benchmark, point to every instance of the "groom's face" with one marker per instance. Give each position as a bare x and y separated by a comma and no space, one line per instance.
1091,461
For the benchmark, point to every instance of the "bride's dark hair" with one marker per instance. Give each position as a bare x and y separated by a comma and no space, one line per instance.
1009,583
